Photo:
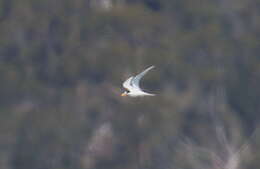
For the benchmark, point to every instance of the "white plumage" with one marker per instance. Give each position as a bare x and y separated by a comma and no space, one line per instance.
132,84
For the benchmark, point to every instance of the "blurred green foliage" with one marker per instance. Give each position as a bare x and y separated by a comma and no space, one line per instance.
62,64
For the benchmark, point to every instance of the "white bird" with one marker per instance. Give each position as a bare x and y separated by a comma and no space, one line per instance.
132,85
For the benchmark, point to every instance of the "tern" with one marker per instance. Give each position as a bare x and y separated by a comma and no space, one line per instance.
132,85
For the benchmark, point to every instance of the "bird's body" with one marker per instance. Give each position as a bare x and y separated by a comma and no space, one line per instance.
133,87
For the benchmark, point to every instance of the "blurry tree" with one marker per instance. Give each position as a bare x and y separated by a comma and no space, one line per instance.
62,64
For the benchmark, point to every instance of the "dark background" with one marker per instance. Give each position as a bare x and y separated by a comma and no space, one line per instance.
62,64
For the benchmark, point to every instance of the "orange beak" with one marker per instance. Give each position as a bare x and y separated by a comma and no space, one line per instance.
123,94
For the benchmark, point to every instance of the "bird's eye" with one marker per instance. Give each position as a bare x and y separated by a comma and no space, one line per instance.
127,91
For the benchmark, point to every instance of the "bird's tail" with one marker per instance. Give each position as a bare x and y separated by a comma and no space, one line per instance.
149,94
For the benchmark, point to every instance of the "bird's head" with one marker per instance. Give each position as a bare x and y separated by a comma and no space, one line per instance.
125,93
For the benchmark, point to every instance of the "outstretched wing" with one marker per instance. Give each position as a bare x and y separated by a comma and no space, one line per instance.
128,83
136,80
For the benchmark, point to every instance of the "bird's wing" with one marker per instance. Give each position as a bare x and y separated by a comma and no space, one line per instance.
136,80
128,83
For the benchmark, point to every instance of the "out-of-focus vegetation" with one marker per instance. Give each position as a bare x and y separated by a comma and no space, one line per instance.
62,64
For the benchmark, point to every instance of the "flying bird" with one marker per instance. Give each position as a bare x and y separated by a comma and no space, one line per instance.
132,85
